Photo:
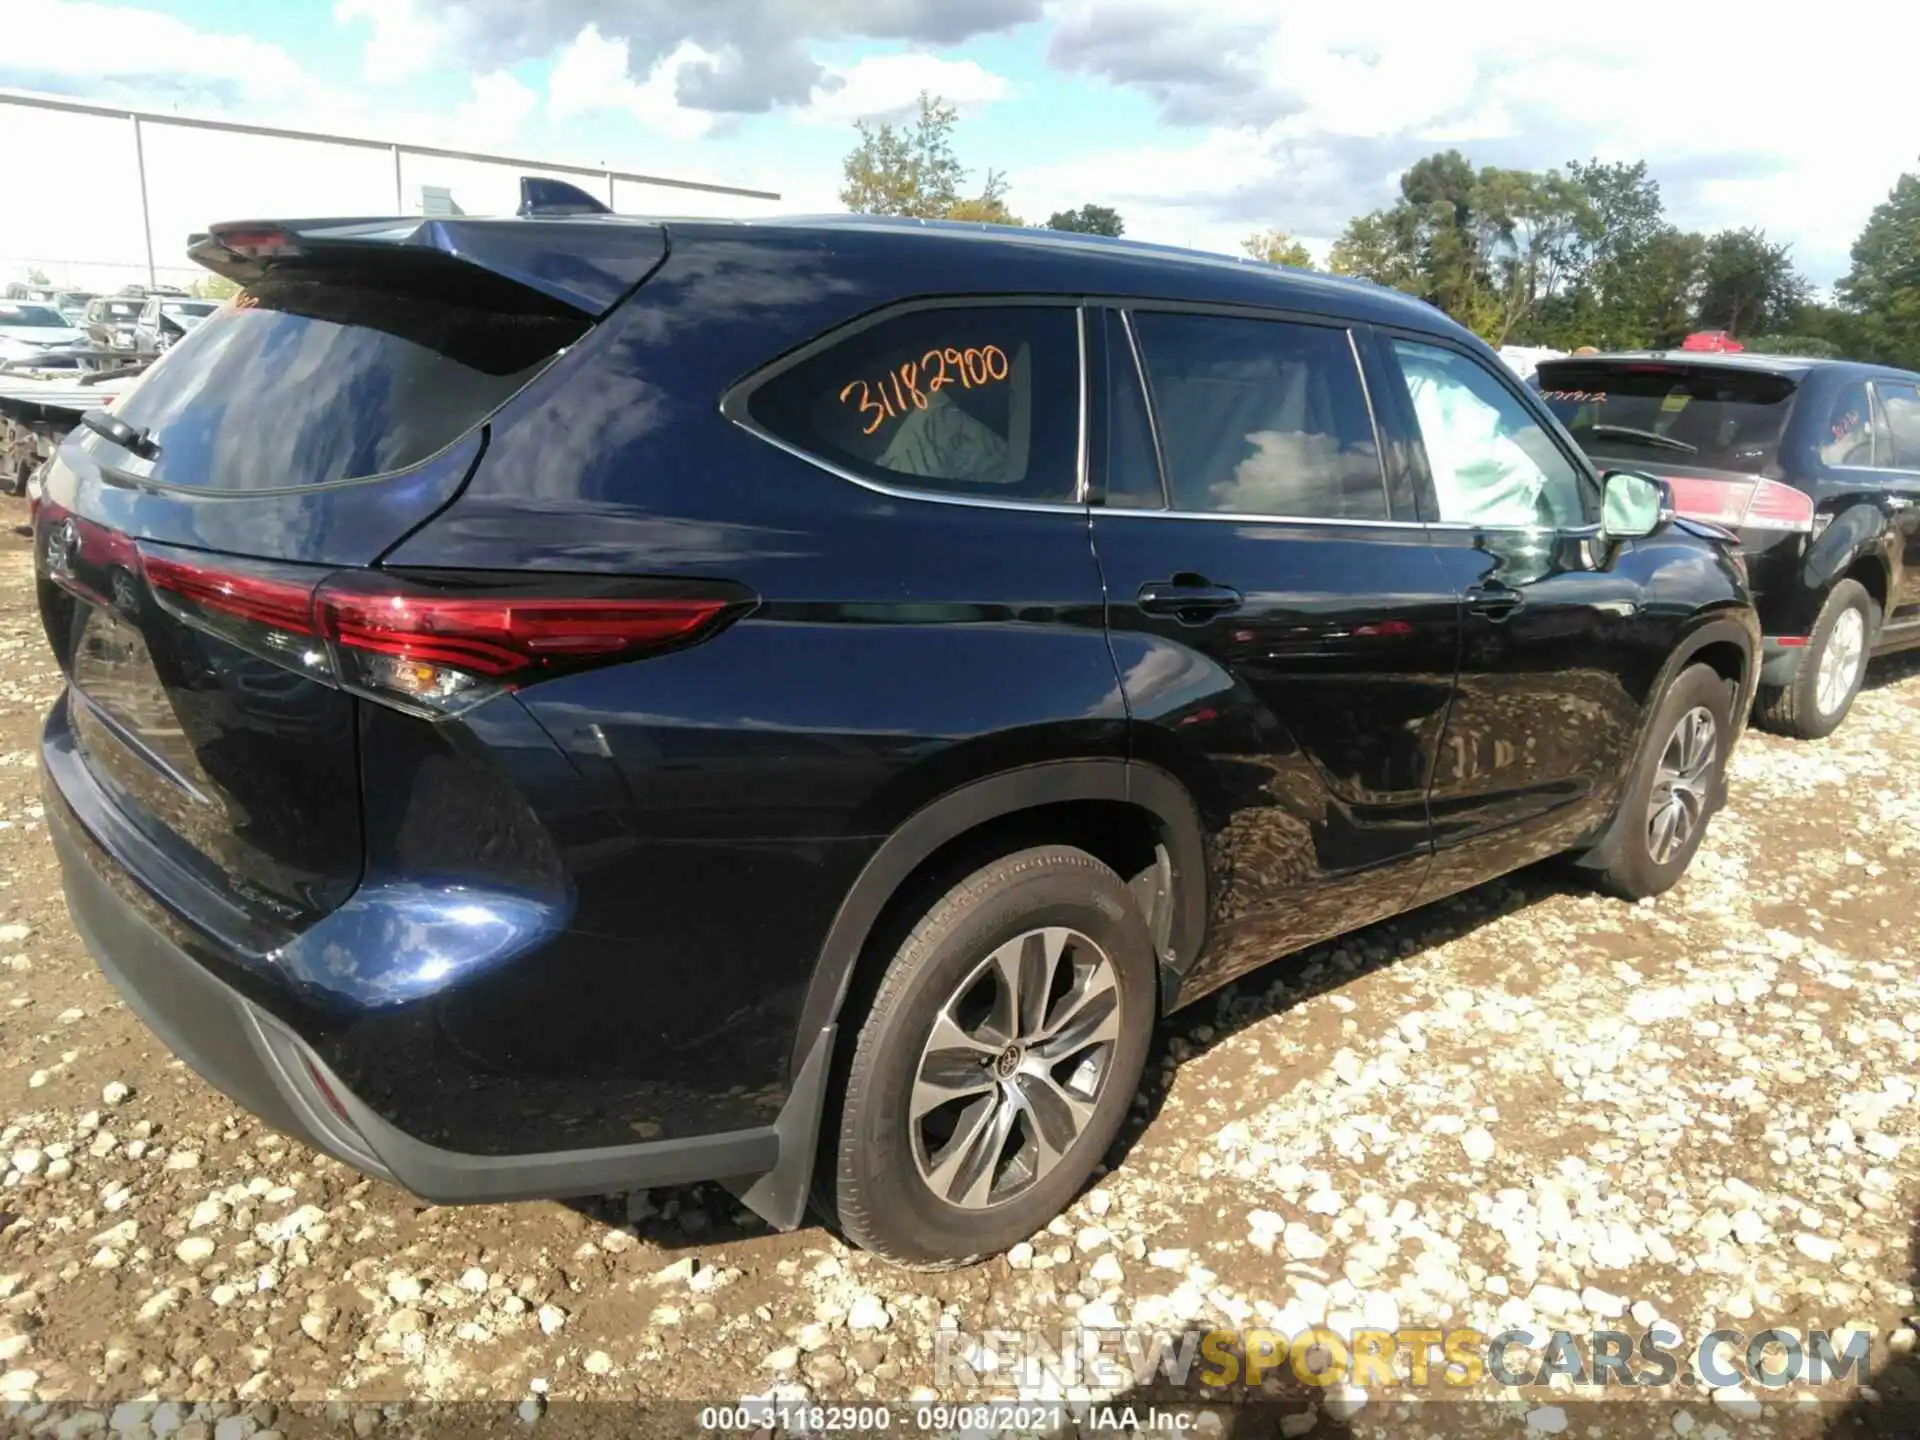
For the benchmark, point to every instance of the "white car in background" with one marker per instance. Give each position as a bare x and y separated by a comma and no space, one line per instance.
28,329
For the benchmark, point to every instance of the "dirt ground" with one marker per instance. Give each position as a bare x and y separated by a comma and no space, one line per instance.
1527,1108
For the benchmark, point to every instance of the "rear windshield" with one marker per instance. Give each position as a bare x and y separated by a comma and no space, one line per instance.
303,381
1688,414
120,309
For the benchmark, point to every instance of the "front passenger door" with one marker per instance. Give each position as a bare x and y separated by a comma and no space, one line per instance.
1556,660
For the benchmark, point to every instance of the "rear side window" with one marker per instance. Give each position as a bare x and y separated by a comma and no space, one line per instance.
1261,417
1848,437
1641,411
971,400
300,382
1900,404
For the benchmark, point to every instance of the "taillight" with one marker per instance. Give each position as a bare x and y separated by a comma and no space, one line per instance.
427,650
1743,504
434,648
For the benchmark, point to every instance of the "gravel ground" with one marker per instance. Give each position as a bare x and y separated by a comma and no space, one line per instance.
1529,1106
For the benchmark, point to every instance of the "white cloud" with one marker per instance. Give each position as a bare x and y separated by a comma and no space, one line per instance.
887,87
404,42
1743,122
493,115
593,74
117,47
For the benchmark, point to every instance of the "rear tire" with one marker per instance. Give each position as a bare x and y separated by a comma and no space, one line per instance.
1037,974
1831,668
1678,782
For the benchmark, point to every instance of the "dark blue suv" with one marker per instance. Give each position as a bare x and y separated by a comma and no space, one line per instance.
560,704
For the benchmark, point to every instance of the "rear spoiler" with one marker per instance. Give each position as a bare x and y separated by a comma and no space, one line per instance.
585,258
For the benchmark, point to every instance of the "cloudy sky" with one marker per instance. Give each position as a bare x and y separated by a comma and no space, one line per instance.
1200,120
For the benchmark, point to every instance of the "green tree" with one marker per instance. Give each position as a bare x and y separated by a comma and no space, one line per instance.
1381,247
1088,220
1277,247
911,169
1748,285
1883,287
214,287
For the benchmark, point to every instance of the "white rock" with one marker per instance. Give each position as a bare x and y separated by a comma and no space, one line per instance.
1478,1143
1324,1202
551,1318
1547,1420
868,1312
1602,1304
115,1092
1818,1248
1737,1401
1301,1422
183,1160
17,1383
1099,1315
597,1363
27,1161
1020,1257
1644,1314
1303,1244
207,1212
403,1288
1107,1269
1265,1222
678,1273
1161,1259
1901,1340
785,1358
474,1280
1749,1228
1345,1401
1346,1065
194,1250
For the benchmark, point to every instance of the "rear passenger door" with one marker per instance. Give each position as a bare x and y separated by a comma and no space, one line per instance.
1284,634
1556,661
1898,428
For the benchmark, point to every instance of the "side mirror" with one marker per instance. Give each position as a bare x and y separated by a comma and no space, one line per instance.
1633,505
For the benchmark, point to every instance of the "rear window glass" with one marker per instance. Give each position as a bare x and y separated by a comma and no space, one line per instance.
1261,417
967,400
304,382
1690,414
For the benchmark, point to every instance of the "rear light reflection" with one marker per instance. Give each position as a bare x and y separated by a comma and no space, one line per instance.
1743,504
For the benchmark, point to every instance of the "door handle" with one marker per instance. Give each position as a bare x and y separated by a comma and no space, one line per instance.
1191,604
1496,602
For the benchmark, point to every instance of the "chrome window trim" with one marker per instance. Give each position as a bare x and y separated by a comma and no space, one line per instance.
734,403
1146,401
1083,482
1366,394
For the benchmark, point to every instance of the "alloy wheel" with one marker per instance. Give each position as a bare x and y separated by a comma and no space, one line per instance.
1014,1067
1841,661
1681,784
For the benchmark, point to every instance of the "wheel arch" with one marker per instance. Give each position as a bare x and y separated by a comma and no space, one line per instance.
1052,800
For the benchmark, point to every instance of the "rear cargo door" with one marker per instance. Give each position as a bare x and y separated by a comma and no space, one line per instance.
313,421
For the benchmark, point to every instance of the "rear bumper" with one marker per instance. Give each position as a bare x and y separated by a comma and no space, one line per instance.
257,1062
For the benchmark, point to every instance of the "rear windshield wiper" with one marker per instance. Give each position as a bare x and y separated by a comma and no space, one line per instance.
137,442
1651,437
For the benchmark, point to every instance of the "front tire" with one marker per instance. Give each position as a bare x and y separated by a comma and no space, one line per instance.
1831,669
997,1061
1678,782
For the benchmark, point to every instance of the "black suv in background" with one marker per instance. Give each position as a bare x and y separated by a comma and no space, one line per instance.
566,703
1816,464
